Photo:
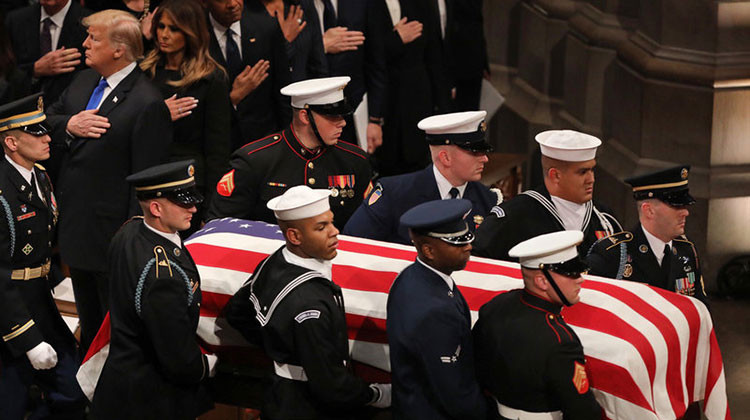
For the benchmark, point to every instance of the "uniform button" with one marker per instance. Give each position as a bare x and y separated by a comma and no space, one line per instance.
311,181
342,202
28,232
49,243
49,227
551,317
310,165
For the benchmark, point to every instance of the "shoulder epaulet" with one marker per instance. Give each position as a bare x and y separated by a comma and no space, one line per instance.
611,241
40,167
256,145
351,148
162,262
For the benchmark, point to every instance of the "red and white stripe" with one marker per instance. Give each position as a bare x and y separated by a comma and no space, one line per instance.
649,352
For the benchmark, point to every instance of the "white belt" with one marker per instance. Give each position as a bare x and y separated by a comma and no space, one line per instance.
293,372
515,414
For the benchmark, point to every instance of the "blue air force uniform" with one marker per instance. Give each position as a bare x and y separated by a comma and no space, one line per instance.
429,332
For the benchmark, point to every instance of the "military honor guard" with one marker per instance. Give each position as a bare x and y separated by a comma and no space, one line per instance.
300,313
459,152
37,348
155,367
429,323
563,202
309,152
656,251
528,358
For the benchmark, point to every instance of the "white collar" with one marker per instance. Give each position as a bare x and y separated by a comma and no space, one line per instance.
448,279
572,214
321,266
220,30
171,237
656,244
25,173
115,78
58,17
444,186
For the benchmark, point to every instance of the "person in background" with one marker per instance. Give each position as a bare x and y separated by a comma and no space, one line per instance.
300,26
14,83
196,89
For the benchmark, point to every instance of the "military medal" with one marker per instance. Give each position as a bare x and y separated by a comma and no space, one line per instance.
478,219
334,192
344,183
23,208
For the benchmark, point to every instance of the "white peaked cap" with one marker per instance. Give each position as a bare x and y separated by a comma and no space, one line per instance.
568,145
300,202
550,248
324,91
455,123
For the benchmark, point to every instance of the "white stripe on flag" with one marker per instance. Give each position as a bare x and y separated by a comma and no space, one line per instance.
618,408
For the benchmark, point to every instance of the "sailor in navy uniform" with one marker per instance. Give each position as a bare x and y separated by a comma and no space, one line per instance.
563,202
459,152
300,313
309,152
656,251
528,358
37,347
429,324
155,367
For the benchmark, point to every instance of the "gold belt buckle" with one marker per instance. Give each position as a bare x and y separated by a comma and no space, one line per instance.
26,273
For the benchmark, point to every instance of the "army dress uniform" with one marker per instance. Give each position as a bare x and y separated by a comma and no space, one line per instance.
28,314
155,366
533,213
265,168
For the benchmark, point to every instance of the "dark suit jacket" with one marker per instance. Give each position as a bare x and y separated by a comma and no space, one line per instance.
94,197
23,28
378,216
465,45
265,110
431,350
367,65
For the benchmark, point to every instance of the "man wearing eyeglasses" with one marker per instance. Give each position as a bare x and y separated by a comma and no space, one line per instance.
528,358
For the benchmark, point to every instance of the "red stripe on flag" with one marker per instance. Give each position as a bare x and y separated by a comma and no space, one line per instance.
100,341
221,257
617,382
377,250
715,367
213,303
365,328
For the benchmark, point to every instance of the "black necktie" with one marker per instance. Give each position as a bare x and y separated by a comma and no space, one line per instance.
234,60
329,15
665,260
45,39
33,188
453,192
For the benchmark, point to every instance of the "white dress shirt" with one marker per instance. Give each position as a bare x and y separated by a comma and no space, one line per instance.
320,7
443,17
572,214
446,278
394,9
221,35
114,79
321,266
657,245
444,186
171,237
26,174
55,29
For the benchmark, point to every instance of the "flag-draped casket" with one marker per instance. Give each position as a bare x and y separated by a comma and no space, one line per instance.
649,352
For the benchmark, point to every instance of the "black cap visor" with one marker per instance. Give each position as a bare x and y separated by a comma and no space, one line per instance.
571,268
462,240
340,108
186,197
37,129
679,198
476,147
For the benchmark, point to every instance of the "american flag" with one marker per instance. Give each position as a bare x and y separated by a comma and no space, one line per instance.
649,352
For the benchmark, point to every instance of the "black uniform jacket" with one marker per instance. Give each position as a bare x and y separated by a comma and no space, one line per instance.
264,110
431,350
628,256
266,168
95,199
23,26
378,216
532,213
155,366
302,323
28,314
530,359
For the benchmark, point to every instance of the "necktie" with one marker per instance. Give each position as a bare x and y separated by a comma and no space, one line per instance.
33,188
665,261
234,60
453,192
45,39
329,15
96,95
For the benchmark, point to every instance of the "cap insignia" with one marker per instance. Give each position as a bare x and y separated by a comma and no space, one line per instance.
478,219
191,170
684,173
483,126
40,104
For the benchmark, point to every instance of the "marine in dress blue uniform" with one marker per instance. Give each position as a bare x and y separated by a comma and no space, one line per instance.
429,324
155,367
563,202
37,347
451,137
656,251
528,358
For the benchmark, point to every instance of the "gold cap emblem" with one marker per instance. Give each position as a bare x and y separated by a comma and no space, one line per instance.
40,103
191,170
684,173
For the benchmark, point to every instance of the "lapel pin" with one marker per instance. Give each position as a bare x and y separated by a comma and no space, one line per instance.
114,99
252,39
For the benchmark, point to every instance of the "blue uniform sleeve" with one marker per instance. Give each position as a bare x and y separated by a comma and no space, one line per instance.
373,218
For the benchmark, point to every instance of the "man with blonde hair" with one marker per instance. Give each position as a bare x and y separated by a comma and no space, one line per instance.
111,122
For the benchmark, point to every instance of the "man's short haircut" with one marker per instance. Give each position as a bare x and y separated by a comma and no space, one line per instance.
123,29
549,163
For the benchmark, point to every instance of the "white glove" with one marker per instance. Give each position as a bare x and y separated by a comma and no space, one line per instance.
43,356
211,359
382,397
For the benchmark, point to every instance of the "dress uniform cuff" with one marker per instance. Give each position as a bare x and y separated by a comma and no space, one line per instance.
22,338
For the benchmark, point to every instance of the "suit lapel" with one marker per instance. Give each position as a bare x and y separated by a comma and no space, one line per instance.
427,177
68,29
248,40
118,94
213,46
644,257
32,32
22,187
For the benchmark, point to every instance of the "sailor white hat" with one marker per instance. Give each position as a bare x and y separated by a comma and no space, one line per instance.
568,145
464,129
300,202
323,91
548,249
